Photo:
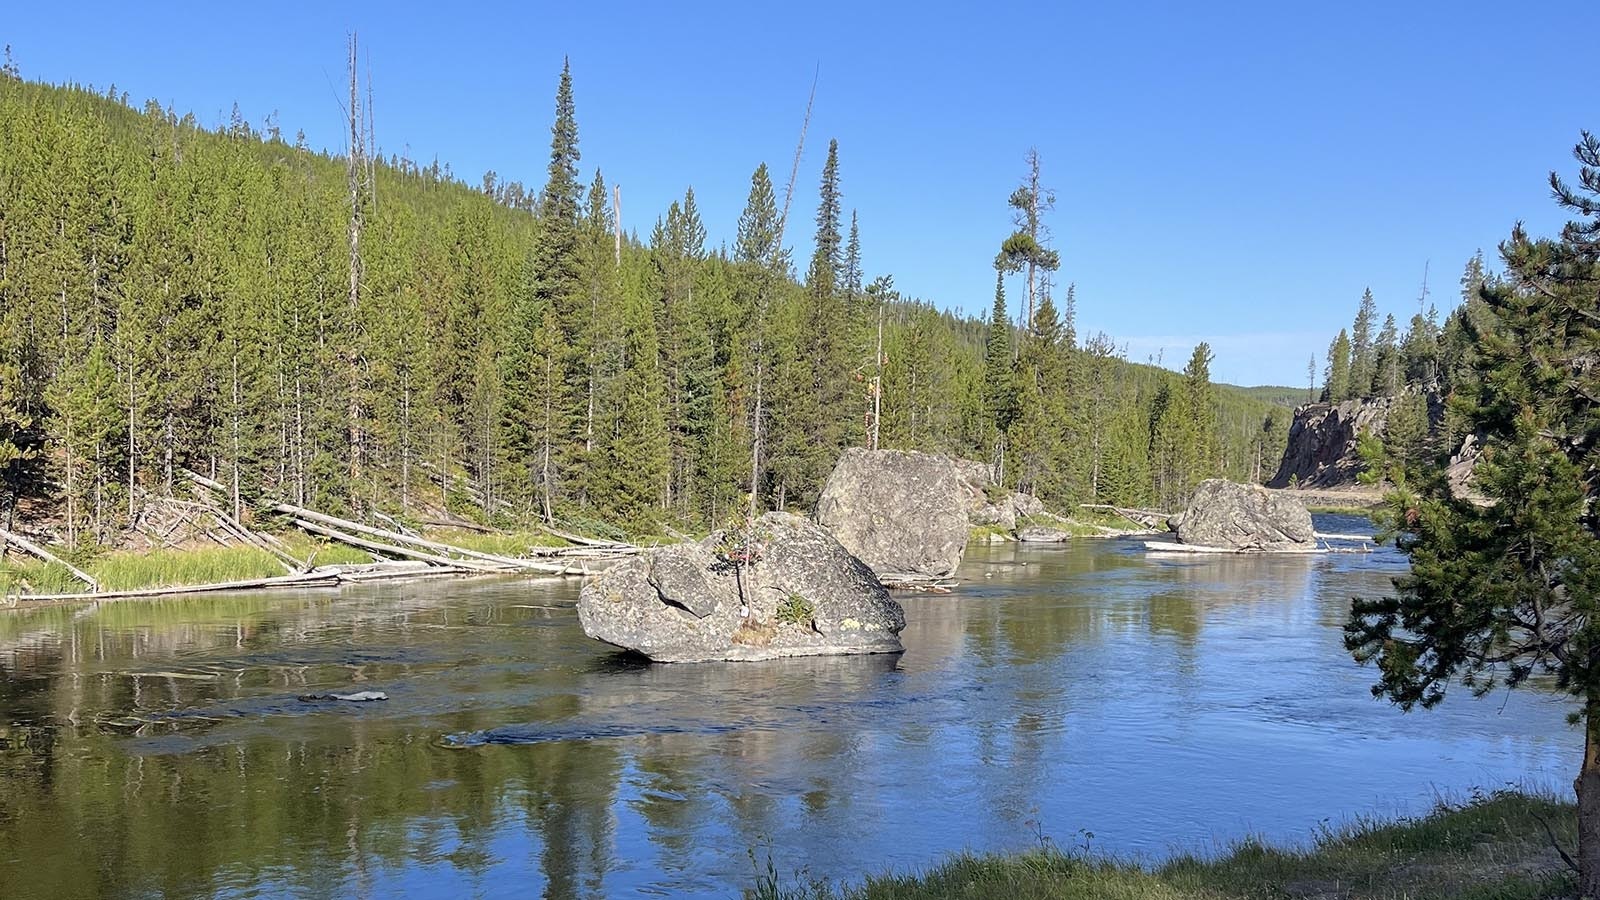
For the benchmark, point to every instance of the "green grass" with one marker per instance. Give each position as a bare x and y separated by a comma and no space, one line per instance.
136,570
131,571
1490,847
21,574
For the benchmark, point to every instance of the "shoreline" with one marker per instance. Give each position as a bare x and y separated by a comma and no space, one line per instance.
1492,846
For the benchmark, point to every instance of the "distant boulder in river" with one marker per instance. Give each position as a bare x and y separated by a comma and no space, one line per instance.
783,588
1040,534
1244,517
900,512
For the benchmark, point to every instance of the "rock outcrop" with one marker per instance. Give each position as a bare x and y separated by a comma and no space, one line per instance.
800,594
1244,517
900,512
989,504
1321,450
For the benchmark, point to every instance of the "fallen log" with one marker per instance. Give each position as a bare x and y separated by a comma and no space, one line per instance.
203,481
396,524
397,543
504,565
580,539
392,550
238,529
30,547
1175,547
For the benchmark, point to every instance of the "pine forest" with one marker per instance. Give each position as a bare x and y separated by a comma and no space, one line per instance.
366,335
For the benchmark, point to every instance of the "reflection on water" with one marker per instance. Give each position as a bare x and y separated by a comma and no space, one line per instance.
159,749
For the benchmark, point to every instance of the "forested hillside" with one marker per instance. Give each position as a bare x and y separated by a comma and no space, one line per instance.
361,334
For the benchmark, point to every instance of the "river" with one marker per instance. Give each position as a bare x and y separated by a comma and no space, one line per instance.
1085,694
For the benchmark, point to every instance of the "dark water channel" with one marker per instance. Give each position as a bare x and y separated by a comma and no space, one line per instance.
158,749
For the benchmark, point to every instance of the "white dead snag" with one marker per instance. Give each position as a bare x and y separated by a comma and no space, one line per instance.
761,302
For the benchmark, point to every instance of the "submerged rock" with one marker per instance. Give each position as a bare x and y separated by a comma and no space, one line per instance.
800,594
357,697
1039,534
1244,517
900,512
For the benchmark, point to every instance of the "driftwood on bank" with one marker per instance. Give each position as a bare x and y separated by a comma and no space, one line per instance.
391,543
28,546
1175,547
238,529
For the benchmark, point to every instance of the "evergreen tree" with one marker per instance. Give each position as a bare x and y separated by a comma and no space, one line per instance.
1363,361
1027,248
999,398
1388,368
1337,386
1036,438
1506,590
1419,352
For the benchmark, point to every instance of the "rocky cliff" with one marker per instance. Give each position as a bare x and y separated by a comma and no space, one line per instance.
1321,451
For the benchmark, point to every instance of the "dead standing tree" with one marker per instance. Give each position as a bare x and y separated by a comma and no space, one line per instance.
761,301
360,172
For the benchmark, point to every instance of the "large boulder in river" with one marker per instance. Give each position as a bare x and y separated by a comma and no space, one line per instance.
802,594
902,513
1244,517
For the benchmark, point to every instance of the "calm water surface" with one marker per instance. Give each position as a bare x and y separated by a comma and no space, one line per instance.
159,749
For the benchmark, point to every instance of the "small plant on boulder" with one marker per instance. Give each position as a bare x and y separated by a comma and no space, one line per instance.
796,610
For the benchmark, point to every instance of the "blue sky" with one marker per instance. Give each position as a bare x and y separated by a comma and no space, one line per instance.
1230,172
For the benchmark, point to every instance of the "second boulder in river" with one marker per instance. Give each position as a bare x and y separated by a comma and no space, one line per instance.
1244,517
900,512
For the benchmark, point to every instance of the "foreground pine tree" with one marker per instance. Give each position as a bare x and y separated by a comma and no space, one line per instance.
1501,591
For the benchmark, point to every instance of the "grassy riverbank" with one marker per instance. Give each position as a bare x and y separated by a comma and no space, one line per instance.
1492,847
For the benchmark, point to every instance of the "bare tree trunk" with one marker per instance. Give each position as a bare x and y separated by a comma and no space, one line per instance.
133,457
755,439
169,437
1033,228
1588,790
877,383
72,495
238,507
544,466
357,173
616,210
405,441
299,443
